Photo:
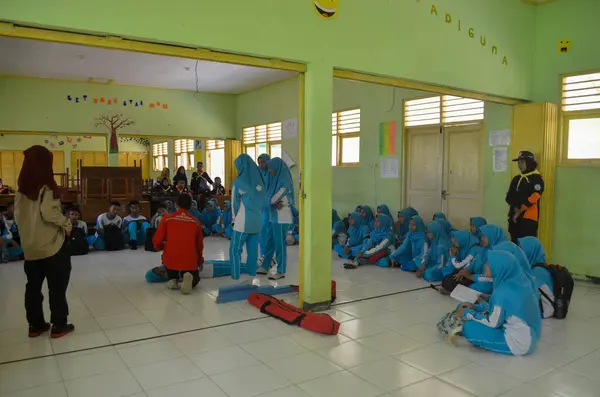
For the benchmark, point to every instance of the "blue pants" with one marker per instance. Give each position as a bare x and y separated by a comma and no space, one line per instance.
401,258
220,269
236,246
339,249
483,287
409,266
278,247
137,234
433,274
266,233
96,242
483,336
228,231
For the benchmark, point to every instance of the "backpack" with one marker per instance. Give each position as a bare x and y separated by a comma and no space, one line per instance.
149,245
78,244
450,325
113,238
563,289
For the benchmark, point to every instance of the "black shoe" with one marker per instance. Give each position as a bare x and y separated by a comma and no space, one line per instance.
133,245
58,331
34,332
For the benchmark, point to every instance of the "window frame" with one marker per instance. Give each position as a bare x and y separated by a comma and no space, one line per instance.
443,99
188,153
164,156
340,136
565,117
268,142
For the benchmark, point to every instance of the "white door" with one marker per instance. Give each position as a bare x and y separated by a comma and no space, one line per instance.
424,170
462,190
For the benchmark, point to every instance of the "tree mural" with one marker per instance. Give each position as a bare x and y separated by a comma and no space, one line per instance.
113,124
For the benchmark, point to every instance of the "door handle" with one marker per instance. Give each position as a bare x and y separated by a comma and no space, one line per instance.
445,194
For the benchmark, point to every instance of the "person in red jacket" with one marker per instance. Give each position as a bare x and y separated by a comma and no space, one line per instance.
180,235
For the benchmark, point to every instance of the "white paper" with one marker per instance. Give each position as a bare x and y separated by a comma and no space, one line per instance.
389,168
290,128
500,159
465,294
287,159
500,138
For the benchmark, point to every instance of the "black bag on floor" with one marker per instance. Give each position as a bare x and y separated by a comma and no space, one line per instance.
113,238
563,289
78,243
149,246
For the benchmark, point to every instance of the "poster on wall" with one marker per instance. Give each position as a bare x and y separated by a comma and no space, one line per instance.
290,128
387,138
389,168
500,138
500,159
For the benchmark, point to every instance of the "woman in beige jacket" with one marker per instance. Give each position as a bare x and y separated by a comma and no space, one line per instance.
44,238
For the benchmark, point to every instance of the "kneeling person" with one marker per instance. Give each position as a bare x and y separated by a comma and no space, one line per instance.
180,235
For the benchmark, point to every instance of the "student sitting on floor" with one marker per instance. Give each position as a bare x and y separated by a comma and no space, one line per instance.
161,211
410,253
437,254
74,216
9,248
108,220
209,217
441,217
402,223
339,234
78,242
293,235
210,269
377,248
475,225
521,257
472,275
135,226
180,235
356,238
223,225
368,217
465,249
384,209
511,322
542,277
195,212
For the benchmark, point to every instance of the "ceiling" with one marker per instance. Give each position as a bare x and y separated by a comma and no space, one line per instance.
32,58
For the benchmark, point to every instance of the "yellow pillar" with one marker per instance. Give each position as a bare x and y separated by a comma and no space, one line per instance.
315,196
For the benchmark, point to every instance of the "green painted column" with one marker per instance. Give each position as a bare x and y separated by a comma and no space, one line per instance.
316,233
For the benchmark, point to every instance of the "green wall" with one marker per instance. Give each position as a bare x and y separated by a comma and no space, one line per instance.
395,38
42,105
362,184
576,211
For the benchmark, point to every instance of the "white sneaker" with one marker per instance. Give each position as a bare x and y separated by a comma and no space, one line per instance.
276,276
172,284
186,284
261,270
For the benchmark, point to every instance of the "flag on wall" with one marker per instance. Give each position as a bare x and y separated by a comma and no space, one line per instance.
387,138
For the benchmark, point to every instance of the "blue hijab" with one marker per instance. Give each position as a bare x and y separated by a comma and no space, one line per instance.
533,250
494,234
384,231
194,211
250,181
282,179
384,210
172,209
468,244
334,217
210,217
441,243
419,224
478,221
355,232
407,214
521,258
226,214
513,293
369,219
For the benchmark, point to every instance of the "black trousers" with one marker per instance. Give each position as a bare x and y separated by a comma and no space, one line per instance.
523,228
449,283
57,270
176,274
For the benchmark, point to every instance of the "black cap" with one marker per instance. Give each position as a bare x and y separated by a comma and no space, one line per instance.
525,155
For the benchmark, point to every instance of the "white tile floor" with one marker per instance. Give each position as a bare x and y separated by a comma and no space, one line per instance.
387,346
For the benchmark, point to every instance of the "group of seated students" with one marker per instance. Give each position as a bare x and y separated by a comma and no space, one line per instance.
10,242
200,185
517,289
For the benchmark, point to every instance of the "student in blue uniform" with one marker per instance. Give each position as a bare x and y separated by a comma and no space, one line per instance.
368,217
437,255
170,207
511,322
375,250
543,279
281,201
266,233
521,258
384,209
402,223
338,229
194,211
293,236
135,226
209,217
475,224
223,225
356,238
106,219
410,254
465,250
248,195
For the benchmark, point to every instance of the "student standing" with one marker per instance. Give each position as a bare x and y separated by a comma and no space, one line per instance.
523,197
266,234
43,238
249,195
281,200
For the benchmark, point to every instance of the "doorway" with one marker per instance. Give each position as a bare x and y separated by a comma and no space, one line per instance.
445,171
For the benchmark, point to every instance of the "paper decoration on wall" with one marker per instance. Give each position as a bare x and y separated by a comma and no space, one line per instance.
460,26
113,124
327,9
69,139
290,128
78,139
87,136
61,143
389,168
387,138
564,46
114,101
151,105
139,140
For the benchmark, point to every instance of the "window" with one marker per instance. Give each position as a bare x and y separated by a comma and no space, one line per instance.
160,156
215,159
444,109
581,92
345,139
184,154
265,138
583,138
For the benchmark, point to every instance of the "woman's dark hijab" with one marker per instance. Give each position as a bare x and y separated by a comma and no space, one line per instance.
36,172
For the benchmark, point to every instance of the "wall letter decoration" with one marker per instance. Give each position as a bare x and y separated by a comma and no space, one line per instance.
327,9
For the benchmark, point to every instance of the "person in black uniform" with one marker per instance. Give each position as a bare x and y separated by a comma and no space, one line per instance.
523,197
